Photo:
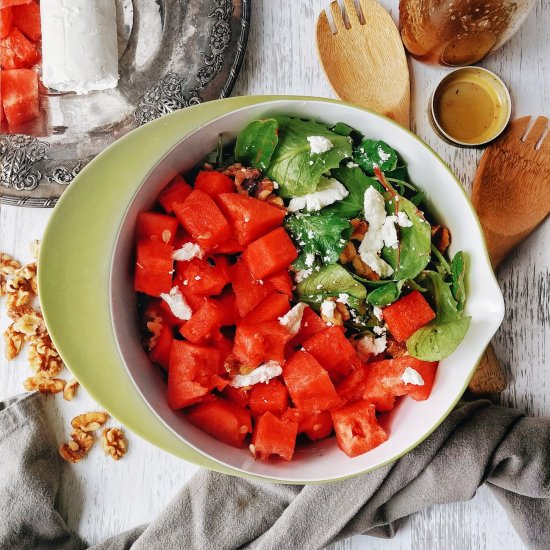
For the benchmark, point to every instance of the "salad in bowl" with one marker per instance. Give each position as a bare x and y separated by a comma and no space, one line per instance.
295,285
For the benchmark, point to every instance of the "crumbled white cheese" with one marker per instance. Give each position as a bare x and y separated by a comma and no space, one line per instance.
187,252
377,312
328,192
292,320
402,219
351,164
262,374
343,298
383,155
275,185
371,246
367,346
378,330
197,277
327,308
310,259
302,274
411,376
389,233
246,219
319,144
177,304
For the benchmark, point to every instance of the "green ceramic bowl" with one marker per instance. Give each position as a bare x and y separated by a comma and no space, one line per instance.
89,305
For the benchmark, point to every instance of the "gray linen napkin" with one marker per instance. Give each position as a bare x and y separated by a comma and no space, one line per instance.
477,443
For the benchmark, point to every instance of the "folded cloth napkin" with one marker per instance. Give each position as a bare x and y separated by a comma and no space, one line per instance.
477,443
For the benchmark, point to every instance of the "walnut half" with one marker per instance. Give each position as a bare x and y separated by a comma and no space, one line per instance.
77,447
113,443
90,421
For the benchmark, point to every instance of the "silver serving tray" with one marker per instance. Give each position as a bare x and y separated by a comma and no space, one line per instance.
172,54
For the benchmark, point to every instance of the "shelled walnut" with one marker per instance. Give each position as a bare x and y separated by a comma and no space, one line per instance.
77,447
90,421
113,442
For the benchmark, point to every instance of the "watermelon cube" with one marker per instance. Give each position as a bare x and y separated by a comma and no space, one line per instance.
203,277
213,183
353,386
203,220
272,397
155,226
249,292
176,191
19,95
316,426
274,438
309,384
256,344
270,309
6,21
270,253
26,17
154,268
204,323
405,316
357,429
7,3
281,282
222,419
311,324
193,371
160,352
16,52
231,246
250,218
240,396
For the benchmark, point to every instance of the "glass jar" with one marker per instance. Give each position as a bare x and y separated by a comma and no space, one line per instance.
458,32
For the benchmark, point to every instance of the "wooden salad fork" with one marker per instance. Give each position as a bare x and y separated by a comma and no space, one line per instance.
364,60
511,195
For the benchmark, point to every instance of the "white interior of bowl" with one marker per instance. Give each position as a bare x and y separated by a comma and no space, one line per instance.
411,421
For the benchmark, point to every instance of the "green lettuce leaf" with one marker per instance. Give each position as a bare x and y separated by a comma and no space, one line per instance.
356,182
331,280
256,143
319,237
458,270
293,166
371,153
414,248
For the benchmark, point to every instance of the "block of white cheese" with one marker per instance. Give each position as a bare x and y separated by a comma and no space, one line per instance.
79,45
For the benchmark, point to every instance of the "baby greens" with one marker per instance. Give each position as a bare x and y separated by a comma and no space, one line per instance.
375,153
256,143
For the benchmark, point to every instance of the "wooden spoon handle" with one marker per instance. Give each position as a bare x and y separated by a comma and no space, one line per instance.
489,376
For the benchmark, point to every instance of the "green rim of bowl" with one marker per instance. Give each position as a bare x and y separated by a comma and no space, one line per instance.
75,266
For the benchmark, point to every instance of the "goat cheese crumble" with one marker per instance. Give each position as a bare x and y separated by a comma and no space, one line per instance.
327,308
328,192
367,346
292,320
262,374
187,252
411,376
319,144
178,304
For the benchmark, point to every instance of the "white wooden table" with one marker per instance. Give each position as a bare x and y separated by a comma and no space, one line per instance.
99,497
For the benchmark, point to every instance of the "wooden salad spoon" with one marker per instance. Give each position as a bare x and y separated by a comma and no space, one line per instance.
511,195
365,62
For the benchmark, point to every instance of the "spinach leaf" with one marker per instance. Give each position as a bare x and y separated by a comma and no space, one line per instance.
436,341
331,280
344,130
384,295
356,182
318,236
398,173
439,339
418,198
372,153
293,166
458,270
256,143
413,252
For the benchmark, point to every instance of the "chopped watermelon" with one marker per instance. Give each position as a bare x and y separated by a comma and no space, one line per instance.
6,21
256,344
203,277
241,396
249,217
357,429
311,324
192,373
249,292
203,220
316,426
333,351
309,384
7,3
176,191
274,306
227,308
270,253
272,397
16,52
231,246
280,281
405,316
204,323
154,267
222,419
213,183
155,226
353,386
19,96
160,352
26,17
274,438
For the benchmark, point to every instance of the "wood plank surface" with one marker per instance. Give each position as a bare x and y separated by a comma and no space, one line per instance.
99,497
